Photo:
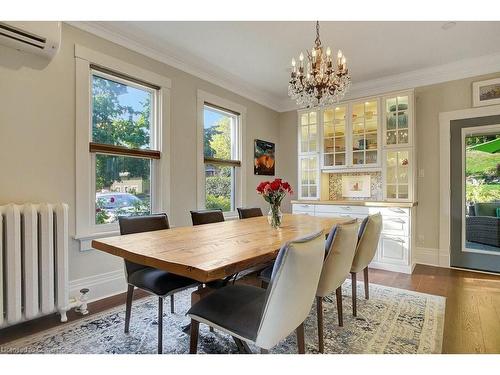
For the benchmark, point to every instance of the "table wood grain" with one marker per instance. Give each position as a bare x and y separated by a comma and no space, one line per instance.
213,251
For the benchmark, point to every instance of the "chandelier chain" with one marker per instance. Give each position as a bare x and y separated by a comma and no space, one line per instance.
318,79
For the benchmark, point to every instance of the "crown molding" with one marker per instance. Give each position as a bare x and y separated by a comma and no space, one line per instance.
222,79
422,77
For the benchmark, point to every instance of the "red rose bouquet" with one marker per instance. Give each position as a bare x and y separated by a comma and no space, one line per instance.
273,193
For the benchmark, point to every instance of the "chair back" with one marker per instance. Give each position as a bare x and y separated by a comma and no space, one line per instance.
207,216
292,289
138,224
246,213
340,247
369,236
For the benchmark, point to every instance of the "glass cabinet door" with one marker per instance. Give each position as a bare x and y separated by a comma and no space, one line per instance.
334,137
309,177
396,120
308,132
309,155
365,133
398,167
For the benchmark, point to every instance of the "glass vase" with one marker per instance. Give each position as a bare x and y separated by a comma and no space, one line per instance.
275,216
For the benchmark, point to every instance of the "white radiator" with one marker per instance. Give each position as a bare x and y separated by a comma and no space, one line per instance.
33,261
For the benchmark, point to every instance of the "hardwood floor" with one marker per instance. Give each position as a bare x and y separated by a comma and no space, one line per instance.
472,321
472,318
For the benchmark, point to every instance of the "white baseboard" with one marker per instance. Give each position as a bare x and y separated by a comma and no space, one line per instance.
100,286
392,267
444,259
431,257
428,256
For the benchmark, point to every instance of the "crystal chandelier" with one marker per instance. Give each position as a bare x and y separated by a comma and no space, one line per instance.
318,81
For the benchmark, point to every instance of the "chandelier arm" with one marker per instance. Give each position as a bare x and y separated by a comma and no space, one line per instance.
320,82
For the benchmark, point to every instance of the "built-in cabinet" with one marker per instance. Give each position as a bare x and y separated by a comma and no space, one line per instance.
394,251
371,134
309,171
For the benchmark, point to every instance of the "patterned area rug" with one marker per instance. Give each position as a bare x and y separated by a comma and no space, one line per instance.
391,321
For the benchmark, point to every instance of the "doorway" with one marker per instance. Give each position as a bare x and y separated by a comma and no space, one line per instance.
475,193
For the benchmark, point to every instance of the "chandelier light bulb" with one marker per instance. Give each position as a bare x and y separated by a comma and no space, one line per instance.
317,81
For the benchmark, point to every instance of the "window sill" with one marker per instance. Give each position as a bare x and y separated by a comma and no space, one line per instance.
85,240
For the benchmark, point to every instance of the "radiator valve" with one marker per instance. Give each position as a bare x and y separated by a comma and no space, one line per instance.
82,308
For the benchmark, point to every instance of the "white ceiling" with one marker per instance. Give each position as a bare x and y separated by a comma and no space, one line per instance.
254,56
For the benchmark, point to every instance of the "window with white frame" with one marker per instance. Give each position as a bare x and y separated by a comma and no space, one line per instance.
123,145
121,126
220,176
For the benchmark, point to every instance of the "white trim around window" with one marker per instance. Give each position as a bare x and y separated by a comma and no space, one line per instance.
85,58
204,98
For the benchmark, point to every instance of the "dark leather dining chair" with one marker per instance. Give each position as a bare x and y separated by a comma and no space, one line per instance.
158,282
246,213
207,216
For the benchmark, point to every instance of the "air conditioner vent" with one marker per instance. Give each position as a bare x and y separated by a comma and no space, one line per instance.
41,38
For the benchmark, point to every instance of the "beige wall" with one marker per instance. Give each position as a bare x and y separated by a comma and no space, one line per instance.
37,134
287,152
430,101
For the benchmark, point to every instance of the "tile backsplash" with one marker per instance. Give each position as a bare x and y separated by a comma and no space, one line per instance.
335,186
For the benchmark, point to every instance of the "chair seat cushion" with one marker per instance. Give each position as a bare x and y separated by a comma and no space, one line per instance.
266,273
237,308
157,281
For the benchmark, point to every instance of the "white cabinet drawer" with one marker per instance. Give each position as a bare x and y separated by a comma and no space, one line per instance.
299,208
330,208
390,211
398,225
393,249
341,215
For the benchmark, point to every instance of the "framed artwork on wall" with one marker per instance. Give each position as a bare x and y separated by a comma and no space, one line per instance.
264,158
486,92
356,186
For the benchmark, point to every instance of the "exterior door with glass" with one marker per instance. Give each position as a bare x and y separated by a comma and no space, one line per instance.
475,193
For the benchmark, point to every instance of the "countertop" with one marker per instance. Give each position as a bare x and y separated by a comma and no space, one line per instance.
359,203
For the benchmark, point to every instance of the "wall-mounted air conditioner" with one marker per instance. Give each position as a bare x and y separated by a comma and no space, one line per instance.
42,38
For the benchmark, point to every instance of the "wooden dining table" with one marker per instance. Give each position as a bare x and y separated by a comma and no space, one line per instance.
213,251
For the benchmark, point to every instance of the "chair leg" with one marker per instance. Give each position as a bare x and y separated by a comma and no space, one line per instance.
354,285
319,310
300,339
193,341
172,310
367,285
160,325
338,293
128,309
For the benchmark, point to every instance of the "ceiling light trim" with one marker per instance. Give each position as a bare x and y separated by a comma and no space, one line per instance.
456,70
241,88
421,77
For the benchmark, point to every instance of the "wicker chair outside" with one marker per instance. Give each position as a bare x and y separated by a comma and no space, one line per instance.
483,229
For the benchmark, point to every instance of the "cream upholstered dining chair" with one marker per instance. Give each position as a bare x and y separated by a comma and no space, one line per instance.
369,236
265,317
340,247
